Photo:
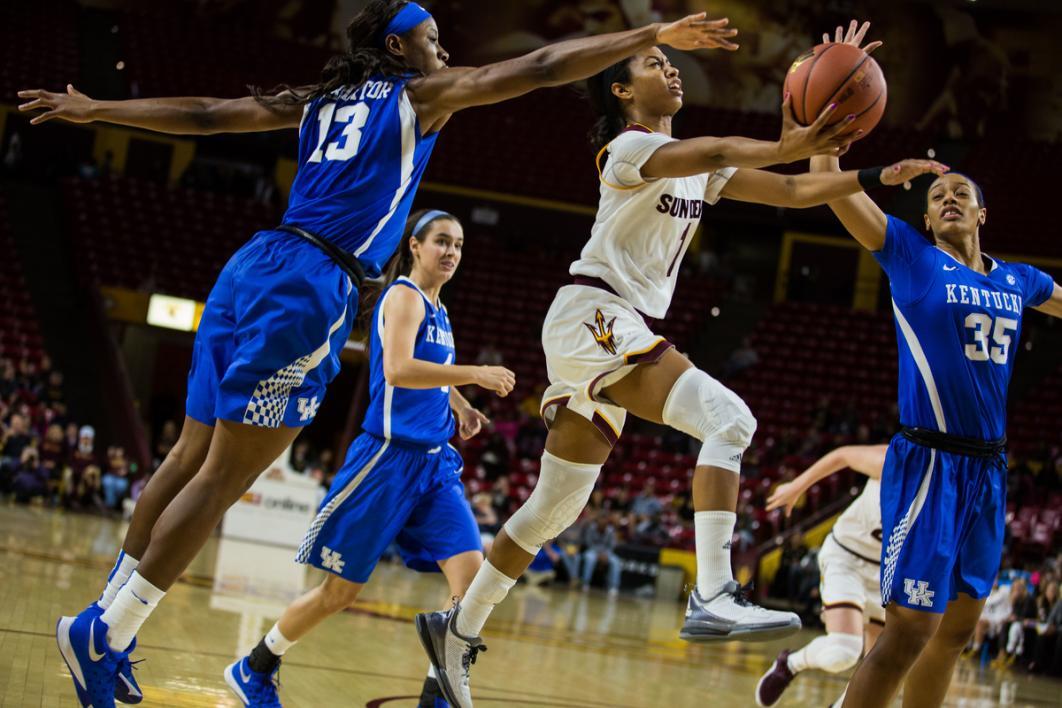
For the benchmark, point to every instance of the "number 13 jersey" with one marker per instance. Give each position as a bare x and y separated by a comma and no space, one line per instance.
957,333
361,157
643,227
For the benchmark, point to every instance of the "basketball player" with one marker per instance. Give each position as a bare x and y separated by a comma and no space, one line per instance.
401,481
848,563
604,360
275,323
958,319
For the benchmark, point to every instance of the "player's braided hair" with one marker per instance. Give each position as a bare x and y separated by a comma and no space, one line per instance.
610,118
401,263
362,59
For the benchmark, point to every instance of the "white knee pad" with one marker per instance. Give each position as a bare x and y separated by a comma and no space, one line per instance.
834,652
700,406
555,503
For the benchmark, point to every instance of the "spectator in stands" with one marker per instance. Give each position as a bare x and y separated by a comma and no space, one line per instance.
599,543
489,355
993,617
165,441
647,504
16,438
8,381
1048,654
81,459
495,456
31,478
87,492
486,517
499,497
116,479
744,357
300,456
1022,612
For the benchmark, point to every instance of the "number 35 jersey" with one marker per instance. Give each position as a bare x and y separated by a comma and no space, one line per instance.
361,157
957,333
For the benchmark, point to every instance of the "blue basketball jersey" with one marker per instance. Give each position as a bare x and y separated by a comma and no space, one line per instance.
418,416
957,333
361,157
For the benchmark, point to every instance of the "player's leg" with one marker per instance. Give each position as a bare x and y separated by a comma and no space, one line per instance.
883,669
575,452
929,679
673,392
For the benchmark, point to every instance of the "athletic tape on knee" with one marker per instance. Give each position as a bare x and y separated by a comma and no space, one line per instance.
555,503
833,653
700,406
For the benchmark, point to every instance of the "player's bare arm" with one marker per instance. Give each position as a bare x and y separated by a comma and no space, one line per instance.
189,115
444,92
857,212
865,459
469,419
1053,306
815,188
403,313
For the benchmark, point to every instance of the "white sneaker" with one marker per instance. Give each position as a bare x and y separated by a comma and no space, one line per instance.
729,615
451,654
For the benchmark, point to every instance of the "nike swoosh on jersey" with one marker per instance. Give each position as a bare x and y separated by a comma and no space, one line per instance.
950,267
245,677
94,655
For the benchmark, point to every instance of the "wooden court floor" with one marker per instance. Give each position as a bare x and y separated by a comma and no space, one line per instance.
548,647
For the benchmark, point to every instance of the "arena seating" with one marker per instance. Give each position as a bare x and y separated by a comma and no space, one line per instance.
38,46
20,336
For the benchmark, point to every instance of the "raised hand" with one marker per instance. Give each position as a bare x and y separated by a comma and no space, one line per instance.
497,379
785,496
906,170
697,32
854,36
72,106
799,142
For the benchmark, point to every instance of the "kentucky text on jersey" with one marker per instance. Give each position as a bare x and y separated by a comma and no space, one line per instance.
679,207
992,299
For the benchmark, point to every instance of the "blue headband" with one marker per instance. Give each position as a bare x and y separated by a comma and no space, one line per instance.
429,217
404,20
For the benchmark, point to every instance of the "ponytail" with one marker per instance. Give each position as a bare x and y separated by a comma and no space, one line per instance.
363,58
610,117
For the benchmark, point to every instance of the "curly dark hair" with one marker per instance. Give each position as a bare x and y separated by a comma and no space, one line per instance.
363,58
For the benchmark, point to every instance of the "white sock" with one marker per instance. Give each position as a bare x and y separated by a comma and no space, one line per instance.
488,588
431,672
276,642
833,653
130,609
713,531
123,568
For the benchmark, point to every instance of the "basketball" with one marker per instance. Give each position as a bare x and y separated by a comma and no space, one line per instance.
842,73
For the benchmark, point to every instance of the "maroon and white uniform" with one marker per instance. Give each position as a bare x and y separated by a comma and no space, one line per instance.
850,558
596,328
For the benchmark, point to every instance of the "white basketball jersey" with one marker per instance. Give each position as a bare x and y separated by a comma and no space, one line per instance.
643,228
858,528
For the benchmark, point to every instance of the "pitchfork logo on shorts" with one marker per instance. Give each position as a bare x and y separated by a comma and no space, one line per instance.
918,592
602,332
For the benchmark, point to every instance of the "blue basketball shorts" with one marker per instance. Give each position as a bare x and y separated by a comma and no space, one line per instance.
269,341
391,492
943,516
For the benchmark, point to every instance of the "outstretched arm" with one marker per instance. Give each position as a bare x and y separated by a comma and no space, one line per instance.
1053,306
403,314
178,116
814,188
444,92
863,219
865,459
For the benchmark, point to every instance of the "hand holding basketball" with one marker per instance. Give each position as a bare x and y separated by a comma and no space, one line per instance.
697,32
823,137
906,170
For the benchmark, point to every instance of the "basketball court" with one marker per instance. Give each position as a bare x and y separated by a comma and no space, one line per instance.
548,647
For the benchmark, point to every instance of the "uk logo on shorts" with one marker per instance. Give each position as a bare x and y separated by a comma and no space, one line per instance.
308,408
333,560
918,592
602,332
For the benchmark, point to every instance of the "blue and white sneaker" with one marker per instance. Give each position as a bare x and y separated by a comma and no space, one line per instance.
93,665
253,688
126,689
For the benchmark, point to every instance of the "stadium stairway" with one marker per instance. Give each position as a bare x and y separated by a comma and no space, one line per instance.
72,321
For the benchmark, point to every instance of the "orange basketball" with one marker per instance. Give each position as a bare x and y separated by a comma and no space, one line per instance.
839,73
